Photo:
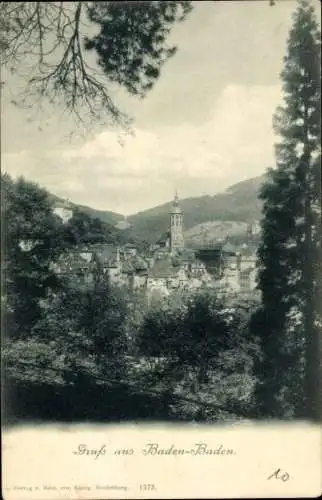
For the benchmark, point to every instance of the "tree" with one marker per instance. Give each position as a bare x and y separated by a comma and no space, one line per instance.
199,347
31,242
33,238
130,47
75,352
56,37
79,328
83,228
290,252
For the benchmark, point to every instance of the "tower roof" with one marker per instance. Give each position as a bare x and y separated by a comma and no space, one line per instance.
175,209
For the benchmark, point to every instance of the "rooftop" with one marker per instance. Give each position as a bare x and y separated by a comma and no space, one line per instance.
175,209
163,268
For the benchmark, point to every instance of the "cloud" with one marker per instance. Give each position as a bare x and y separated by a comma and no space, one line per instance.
236,143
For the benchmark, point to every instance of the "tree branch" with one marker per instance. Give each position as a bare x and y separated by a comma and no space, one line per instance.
49,33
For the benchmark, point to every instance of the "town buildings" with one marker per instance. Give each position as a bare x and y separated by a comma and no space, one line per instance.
168,266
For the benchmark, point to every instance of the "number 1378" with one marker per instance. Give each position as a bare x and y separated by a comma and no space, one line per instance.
147,487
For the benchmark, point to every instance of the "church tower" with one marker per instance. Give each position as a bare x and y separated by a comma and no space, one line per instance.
176,225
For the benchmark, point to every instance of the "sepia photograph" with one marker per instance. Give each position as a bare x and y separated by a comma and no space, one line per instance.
160,227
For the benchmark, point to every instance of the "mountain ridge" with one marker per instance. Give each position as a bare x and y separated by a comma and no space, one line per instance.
239,203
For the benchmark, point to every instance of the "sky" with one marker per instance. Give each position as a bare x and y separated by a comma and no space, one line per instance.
206,124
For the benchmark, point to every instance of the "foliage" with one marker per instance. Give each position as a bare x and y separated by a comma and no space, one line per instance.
289,252
228,211
91,349
199,347
50,42
92,344
78,335
82,228
131,44
131,48
30,244
33,238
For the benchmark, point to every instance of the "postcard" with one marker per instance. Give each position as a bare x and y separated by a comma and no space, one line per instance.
161,250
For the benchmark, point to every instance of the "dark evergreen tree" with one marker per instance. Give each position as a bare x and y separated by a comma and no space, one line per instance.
131,45
290,252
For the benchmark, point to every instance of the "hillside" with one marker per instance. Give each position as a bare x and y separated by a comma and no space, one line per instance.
106,216
238,204
100,225
215,231
205,217
83,225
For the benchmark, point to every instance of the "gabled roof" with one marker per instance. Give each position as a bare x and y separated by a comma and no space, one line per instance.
83,248
229,248
63,203
162,250
138,263
187,255
127,267
246,252
163,268
105,253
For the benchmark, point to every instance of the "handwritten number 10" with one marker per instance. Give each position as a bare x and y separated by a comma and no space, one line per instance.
279,474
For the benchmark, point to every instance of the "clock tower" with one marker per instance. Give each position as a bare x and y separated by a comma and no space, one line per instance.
176,225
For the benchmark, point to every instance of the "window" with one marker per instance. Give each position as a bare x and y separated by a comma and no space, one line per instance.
245,282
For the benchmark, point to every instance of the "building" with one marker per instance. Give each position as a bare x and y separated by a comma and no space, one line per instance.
168,265
176,226
123,224
172,265
63,210
239,271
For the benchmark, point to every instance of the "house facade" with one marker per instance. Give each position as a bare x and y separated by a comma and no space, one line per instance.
168,266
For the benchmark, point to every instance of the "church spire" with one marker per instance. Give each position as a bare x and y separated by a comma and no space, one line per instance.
176,225
175,204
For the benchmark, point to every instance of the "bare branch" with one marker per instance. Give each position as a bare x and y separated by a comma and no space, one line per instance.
49,33
54,39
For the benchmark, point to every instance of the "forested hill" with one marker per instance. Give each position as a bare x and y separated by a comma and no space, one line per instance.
89,227
31,207
239,203
106,216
